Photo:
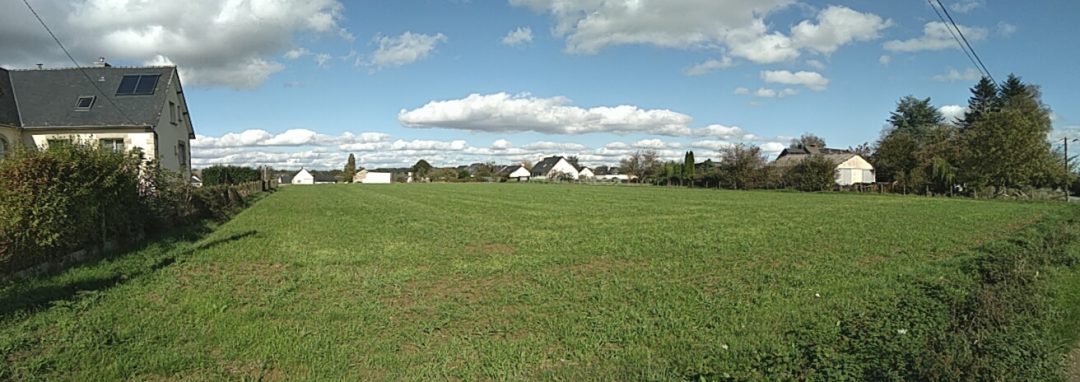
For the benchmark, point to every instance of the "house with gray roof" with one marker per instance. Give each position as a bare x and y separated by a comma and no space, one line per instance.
118,108
851,168
555,168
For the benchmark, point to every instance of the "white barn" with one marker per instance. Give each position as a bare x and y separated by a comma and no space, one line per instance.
368,177
303,177
851,169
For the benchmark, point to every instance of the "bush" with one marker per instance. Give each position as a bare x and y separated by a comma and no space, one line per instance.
215,175
815,173
57,201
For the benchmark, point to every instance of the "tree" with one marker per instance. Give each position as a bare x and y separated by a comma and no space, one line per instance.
807,140
984,99
421,170
863,149
350,169
642,164
1007,148
815,173
527,164
914,116
741,166
218,174
573,160
485,170
688,167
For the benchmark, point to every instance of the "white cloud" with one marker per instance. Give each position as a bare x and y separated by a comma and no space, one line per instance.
952,75
765,93
405,49
816,64
292,137
742,91
935,36
773,147
322,60
502,112
214,43
736,27
952,112
500,144
710,65
656,144
966,6
836,27
1005,29
813,80
885,59
714,145
293,54
787,92
518,37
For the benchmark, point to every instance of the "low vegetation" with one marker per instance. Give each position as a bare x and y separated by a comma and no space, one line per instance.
447,281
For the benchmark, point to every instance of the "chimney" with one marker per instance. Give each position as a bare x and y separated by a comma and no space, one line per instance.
101,63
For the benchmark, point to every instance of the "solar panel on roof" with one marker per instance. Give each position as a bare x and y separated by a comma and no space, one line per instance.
127,85
147,84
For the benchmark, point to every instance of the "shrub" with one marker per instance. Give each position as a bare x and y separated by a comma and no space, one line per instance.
815,173
218,174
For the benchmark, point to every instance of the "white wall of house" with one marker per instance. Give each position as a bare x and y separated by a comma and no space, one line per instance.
586,173
378,178
303,177
855,170
174,145
562,166
142,140
520,173
614,178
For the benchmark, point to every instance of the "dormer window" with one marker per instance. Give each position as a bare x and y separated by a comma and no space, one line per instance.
85,103
138,84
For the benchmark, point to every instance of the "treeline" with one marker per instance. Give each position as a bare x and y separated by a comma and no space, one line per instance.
73,197
998,148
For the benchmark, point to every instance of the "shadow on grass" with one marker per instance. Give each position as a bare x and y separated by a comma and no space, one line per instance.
106,271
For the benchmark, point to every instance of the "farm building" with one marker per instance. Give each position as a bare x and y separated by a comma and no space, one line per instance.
519,173
305,177
554,168
851,168
370,177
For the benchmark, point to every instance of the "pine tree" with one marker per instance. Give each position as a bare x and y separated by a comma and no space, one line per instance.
688,167
984,99
350,169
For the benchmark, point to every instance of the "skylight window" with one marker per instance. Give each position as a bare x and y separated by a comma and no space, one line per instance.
85,103
138,84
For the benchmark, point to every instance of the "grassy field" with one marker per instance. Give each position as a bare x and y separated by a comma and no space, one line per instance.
487,281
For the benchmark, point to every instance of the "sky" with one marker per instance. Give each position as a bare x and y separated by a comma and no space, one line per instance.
295,84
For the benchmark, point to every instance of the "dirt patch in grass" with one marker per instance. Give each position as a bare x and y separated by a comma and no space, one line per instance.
599,265
501,249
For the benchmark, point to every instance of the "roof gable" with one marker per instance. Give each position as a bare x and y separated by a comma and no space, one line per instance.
546,165
47,98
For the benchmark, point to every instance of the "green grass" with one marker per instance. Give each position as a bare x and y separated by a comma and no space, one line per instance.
485,281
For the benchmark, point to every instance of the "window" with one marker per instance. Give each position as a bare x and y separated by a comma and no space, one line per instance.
116,144
138,84
181,153
172,112
85,102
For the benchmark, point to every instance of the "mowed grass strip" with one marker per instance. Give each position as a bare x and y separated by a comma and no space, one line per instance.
495,281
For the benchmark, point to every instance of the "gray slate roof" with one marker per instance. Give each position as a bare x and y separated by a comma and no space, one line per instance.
790,160
9,114
46,98
545,165
507,170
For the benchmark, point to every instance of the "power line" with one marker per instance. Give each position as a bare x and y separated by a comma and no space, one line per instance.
961,44
968,44
77,66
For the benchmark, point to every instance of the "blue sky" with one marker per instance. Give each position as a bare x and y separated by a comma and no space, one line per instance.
294,84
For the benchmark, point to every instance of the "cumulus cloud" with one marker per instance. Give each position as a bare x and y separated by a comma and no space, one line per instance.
966,6
816,64
953,113
518,37
935,36
737,27
292,137
812,80
742,91
502,112
1005,29
885,59
404,49
214,43
952,75
710,66
837,26
765,93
